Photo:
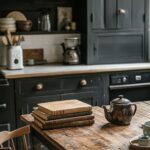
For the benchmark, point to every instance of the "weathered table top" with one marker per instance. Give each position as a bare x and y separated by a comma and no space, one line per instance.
100,136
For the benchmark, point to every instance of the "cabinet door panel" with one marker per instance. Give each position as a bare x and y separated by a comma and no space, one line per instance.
138,14
110,13
124,19
97,14
121,48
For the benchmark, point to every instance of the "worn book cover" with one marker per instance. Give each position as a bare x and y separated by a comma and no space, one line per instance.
71,124
63,120
46,117
64,107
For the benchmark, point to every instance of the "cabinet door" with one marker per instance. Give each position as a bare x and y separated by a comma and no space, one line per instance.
87,97
124,16
138,11
96,13
117,48
110,14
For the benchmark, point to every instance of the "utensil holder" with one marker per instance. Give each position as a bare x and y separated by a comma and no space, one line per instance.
15,57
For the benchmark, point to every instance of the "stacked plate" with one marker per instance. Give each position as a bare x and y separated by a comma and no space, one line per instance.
7,24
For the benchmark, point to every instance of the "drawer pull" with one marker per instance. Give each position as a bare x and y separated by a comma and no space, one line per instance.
3,106
39,87
83,82
121,11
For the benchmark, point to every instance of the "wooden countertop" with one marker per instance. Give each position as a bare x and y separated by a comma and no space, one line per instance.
100,136
55,70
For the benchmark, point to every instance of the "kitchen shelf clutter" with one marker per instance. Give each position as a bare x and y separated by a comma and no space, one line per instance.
43,17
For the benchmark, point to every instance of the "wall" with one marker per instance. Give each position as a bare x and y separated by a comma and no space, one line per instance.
49,42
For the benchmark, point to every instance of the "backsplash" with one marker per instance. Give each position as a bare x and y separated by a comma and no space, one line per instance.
50,43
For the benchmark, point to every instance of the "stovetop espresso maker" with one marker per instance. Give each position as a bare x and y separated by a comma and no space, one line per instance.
71,49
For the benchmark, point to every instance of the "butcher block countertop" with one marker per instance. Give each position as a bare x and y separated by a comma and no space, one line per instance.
59,69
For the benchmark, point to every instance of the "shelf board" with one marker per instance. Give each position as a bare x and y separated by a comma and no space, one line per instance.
45,32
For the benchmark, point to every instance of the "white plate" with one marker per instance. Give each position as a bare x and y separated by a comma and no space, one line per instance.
17,15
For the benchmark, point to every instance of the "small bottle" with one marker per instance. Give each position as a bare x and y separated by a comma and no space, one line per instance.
46,24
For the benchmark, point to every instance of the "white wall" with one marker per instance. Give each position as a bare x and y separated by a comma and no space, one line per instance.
50,43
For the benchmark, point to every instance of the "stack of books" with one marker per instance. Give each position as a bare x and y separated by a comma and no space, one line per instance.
60,114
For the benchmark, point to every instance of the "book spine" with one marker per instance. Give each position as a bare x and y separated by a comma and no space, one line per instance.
49,117
64,120
72,124
62,112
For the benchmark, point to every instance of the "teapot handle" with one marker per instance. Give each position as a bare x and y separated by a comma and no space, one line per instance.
135,108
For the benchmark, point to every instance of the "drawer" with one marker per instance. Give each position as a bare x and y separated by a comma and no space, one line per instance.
79,82
38,86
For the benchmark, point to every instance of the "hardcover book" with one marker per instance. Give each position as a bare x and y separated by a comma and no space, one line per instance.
71,124
46,117
64,107
63,120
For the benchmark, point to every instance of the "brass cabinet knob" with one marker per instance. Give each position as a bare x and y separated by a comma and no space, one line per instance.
121,11
83,82
39,87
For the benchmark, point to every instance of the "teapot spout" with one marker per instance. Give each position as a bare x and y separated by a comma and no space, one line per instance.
107,113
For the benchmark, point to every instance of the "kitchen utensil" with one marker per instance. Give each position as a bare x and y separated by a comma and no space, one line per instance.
36,54
4,40
121,111
71,49
8,36
24,25
15,40
17,15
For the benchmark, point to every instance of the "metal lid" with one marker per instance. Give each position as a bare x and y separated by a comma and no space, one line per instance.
120,100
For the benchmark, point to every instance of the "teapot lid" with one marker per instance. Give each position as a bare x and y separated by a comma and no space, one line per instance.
120,100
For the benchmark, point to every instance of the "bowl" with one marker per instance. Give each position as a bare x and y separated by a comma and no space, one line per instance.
24,25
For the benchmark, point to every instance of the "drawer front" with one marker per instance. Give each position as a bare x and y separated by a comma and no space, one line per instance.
55,85
38,86
79,82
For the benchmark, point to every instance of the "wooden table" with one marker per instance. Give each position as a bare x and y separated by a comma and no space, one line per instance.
100,136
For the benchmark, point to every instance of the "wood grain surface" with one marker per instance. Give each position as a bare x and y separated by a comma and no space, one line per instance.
57,108
36,54
100,136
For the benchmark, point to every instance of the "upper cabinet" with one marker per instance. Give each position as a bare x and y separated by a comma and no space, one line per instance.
96,8
115,31
116,14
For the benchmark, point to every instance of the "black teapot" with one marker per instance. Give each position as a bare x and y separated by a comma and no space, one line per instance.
121,111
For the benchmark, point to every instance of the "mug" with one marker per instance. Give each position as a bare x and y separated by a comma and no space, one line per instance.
146,128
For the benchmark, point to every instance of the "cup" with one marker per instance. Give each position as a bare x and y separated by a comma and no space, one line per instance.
146,128
144,141
30,62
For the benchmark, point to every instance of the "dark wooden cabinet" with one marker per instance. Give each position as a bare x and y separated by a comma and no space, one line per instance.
7,107
115,32
120,14
85,87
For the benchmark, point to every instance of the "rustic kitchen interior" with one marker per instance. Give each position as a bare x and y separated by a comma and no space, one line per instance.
76,72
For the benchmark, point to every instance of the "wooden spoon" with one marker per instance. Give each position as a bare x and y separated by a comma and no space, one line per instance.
9,38
15,40
5,41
